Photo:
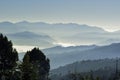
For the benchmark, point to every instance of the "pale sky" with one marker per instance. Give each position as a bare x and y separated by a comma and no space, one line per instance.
102,13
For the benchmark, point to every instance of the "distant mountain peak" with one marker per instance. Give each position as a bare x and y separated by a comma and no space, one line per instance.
23,22
6,23
29,23
26,34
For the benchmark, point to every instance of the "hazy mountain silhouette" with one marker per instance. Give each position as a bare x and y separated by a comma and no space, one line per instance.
70,33
8,27
86,66
60,49
110,51
30,38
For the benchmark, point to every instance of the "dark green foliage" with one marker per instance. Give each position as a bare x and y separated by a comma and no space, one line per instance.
8,57
28,70
38,59
36,55
35,65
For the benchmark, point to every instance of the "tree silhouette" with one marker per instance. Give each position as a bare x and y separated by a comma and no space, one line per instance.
28,70
8,57
38,58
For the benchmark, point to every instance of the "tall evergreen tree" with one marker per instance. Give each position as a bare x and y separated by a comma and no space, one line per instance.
28,70
8,57
38,58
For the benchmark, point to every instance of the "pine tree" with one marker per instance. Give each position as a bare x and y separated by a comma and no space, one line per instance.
8,57
38,58
28,70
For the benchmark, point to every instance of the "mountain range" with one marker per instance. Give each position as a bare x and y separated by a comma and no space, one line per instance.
103,68
91,53
55,36
61,56
31,38
86,66
69,33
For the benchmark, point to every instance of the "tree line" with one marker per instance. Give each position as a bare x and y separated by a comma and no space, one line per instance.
35,65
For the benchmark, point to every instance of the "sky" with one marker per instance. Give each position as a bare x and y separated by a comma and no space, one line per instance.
101,13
